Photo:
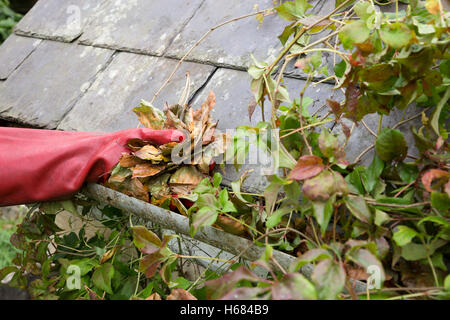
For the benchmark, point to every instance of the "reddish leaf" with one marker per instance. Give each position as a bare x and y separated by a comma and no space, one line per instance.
244,293
307,167
431,175
219,287
335,107
180,294
154,296
150,263
351,102
251,108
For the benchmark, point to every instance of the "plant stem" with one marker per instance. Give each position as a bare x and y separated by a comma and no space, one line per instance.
205,258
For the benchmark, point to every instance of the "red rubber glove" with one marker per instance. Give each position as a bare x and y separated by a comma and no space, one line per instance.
41,165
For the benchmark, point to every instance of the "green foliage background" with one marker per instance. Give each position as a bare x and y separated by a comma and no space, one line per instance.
8,19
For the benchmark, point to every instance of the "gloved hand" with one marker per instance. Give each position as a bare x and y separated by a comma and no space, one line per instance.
42,165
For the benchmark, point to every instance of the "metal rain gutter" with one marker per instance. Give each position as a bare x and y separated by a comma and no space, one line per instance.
180,224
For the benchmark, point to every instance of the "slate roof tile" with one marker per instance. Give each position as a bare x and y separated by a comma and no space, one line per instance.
138,25
62,20
14,51
45,86
120,87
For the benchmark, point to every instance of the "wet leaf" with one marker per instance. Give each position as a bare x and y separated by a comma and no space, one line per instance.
231,226
128,160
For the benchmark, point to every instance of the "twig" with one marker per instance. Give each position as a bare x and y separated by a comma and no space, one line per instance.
358,158
368,129
206,34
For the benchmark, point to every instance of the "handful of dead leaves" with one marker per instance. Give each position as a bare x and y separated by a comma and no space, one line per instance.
148,172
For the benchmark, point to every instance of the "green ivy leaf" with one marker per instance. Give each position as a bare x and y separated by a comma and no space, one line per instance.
145,240
404,235
365,259
353,33
102,277
206,216
309,257
340,68
275,218
323,212
329,278
358,207
294,286
391,145
293,10
372,175
396,35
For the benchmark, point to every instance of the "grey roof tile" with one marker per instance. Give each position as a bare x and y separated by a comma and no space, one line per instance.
108,104
14,51
232,89
232,44
62,20
47,84
138,25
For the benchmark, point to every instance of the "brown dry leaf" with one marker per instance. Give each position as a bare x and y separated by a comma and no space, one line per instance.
181,189
136,144
346,130
427,178
145,170
230,226
208,136
356,273
149,116
335,107
187,175
149,152
154,296
128,160
119,175
108,255
133,188
180,294
251,108
158,186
